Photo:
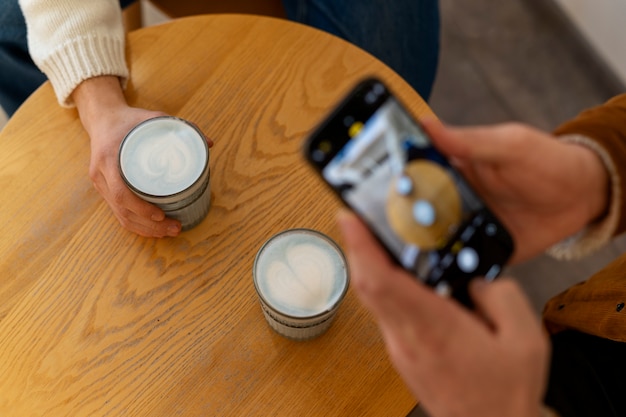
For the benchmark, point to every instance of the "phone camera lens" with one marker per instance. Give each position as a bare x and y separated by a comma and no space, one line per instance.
378,89
404,186
318,155
467,260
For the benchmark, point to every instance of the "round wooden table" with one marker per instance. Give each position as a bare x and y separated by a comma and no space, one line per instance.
97,321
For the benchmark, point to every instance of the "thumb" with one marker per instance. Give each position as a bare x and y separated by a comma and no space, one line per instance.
363,252
480,143
398,300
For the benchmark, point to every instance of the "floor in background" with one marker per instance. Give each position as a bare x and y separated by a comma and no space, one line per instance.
508,60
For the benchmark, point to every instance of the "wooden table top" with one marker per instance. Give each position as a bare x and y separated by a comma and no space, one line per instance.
97,321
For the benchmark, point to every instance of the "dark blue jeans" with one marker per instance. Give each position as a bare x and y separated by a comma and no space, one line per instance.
19,77
404,34
587,376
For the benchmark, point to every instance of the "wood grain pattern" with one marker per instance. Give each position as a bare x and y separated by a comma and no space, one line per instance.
95,321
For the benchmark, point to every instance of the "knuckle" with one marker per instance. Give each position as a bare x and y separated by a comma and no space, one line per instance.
94,175
507,284
505,288
517,133
157,230
119,197
124,220
517,128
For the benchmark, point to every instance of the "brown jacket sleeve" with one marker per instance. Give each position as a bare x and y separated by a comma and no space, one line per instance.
605,124
597,306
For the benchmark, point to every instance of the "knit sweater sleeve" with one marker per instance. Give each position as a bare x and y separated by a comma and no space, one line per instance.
73,40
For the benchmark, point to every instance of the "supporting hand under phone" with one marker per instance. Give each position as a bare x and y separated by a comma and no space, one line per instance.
542,189
490,362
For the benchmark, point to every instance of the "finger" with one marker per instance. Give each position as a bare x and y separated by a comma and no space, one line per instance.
397,299
125,199
135,214
480,143
361,245
371,269
504,306
148,228
119,195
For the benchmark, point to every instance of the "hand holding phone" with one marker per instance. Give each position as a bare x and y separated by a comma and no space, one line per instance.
384,167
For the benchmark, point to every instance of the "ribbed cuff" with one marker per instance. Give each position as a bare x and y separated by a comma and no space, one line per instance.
595,235
81,59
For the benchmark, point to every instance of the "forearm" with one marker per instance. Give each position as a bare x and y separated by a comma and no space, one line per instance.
74,40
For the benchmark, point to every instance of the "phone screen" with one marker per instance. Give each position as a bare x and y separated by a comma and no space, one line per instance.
383,165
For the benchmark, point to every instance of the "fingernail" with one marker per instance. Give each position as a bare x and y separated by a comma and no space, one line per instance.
158,217
173,230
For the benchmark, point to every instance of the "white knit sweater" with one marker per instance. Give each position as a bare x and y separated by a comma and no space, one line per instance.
73,40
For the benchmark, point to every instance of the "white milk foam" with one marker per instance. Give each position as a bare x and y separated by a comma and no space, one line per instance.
300,274
163,157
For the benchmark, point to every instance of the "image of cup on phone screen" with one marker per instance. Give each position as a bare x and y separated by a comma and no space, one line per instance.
384,167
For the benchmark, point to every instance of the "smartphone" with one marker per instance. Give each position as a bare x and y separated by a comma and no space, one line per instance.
382,165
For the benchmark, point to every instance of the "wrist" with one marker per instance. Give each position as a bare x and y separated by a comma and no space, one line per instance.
97,99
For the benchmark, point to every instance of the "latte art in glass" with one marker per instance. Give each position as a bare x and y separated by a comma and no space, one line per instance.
163,158
301,278
304,281
165,161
